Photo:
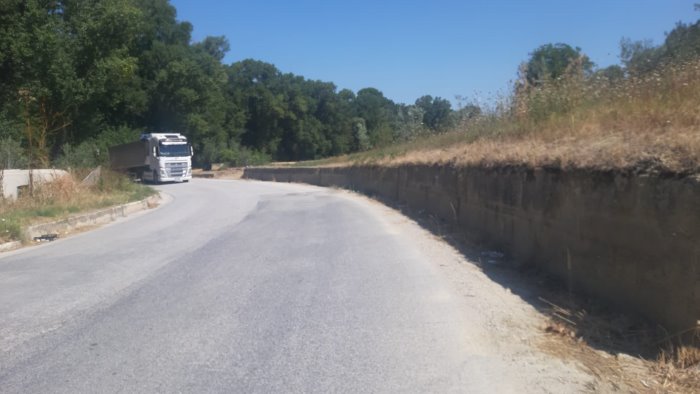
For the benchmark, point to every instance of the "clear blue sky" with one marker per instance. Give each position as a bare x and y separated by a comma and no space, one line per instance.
410,48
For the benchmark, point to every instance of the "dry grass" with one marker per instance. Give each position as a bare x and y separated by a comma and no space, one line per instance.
678,369
622,350
649,122
63,197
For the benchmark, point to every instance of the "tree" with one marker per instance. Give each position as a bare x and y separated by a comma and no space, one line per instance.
612,74
436,112
106,36
683,42
409,122
71,69
466,113
361,138
639,56
11,154
337,112
41,85
216,47
551,61
250,88
377,111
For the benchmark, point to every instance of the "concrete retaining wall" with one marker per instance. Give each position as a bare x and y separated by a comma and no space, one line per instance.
13,179
633,240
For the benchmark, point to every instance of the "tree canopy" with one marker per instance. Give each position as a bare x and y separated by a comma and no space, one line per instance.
78,75
551,61
681,44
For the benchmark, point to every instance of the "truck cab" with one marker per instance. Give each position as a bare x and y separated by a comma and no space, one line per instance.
170,157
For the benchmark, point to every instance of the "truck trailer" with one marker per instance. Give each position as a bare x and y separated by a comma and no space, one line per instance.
155,157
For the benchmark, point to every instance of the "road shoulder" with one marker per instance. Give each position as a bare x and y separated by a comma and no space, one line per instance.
79,223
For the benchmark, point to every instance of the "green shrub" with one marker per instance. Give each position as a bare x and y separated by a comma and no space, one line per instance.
95,151
12,154
10,228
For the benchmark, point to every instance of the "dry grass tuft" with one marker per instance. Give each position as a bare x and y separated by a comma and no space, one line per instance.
62,190
656,365
679,369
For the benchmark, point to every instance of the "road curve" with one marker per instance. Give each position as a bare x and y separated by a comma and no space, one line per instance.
241,286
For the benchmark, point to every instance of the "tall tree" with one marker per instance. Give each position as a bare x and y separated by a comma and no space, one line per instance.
39,82
436,112
639,56
377,111
551,61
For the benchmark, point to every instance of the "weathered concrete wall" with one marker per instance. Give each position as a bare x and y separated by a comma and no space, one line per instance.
12,179
633,240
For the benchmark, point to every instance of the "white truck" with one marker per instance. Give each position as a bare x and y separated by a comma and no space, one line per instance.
155,157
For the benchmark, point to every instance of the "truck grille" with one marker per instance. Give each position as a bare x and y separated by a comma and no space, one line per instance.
175,170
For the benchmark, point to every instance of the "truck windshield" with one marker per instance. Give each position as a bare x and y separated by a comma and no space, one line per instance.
174,150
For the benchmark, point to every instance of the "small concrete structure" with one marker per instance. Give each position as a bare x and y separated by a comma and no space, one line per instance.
13,179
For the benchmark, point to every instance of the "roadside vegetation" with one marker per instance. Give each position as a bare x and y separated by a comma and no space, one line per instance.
79,76
66,95
564,113
63,197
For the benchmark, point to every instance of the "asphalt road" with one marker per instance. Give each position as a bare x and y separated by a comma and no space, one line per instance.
238,286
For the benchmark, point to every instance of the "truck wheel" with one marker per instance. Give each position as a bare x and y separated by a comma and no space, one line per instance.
155,176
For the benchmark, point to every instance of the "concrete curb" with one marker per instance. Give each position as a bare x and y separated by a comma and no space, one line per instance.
12,245
95,218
